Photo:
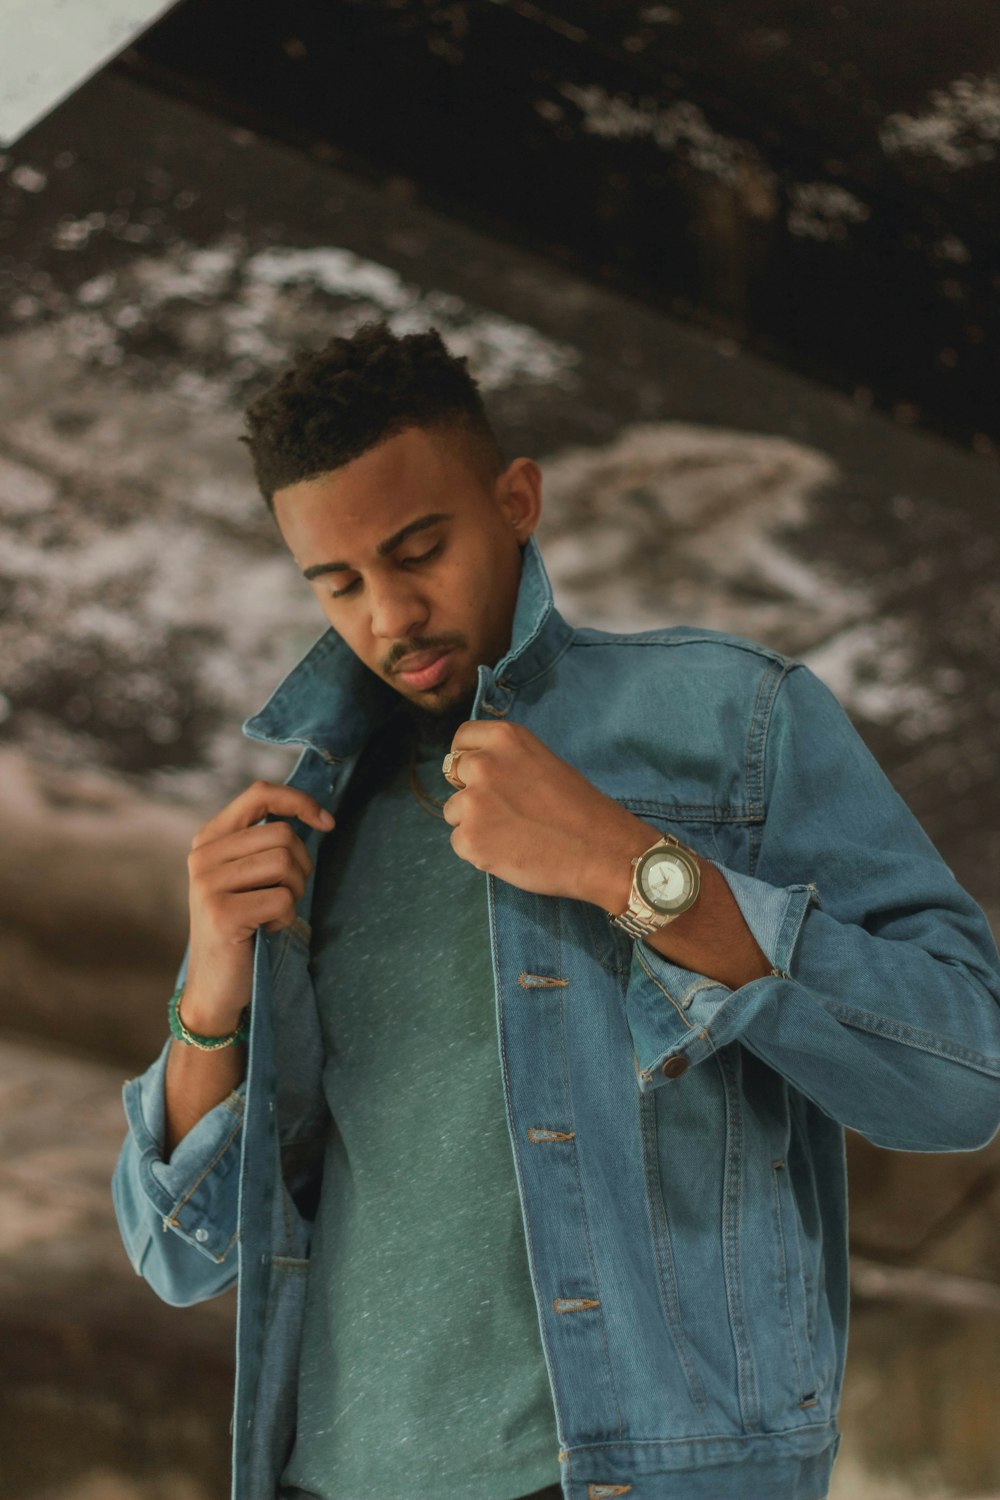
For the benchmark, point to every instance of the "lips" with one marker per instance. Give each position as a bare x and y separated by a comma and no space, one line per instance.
424,669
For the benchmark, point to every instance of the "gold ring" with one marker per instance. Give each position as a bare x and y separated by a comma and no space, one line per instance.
448,769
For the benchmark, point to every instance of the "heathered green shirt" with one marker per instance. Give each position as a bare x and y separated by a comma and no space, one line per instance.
422,1370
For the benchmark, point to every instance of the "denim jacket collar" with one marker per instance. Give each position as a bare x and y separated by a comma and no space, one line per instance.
331,702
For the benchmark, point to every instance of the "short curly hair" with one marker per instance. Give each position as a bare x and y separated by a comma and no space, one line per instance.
333,404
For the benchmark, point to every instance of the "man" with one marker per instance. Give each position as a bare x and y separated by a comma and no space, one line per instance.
532,1169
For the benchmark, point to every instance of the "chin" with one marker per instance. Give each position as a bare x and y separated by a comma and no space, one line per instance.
449,702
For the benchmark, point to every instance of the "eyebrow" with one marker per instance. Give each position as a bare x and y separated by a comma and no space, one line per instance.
383,548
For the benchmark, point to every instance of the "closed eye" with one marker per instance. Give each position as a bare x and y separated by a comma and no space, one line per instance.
404,562
347,589
423,556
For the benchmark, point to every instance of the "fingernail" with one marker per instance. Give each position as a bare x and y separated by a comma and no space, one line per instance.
326,818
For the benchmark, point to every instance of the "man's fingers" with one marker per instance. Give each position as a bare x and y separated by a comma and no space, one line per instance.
452,809
258,801
230,902
252,840
473,734
273,909
255,872
482,734
460,769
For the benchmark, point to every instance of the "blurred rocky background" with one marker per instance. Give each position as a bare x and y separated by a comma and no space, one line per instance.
731,275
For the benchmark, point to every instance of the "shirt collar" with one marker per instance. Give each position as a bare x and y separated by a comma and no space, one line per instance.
331,702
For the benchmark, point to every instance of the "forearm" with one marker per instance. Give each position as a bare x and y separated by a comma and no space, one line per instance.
196,1082
712,938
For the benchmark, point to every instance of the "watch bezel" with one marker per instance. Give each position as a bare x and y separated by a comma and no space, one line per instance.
683,856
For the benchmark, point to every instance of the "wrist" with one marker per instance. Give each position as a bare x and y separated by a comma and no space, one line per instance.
610,882
211,1012
205,1041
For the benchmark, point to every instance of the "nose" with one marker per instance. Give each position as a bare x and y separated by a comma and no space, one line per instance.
397,610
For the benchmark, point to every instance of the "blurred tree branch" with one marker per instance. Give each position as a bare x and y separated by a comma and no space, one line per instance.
875,1281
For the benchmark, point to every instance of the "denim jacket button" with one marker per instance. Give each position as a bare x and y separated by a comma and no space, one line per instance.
674,1066
201,1235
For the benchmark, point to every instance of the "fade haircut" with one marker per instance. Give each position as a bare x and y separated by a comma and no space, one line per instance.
333,404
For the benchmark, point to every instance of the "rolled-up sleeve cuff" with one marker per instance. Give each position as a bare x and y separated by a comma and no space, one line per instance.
193,1191
678,1017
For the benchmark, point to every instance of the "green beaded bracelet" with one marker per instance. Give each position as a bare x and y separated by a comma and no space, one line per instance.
205,1043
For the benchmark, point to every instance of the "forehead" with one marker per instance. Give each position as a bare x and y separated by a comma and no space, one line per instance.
355,506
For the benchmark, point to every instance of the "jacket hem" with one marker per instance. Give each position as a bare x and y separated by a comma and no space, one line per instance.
770,1466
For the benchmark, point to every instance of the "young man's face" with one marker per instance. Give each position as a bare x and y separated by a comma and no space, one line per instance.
415,558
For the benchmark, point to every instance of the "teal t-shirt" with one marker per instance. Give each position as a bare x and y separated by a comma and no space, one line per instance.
422,1369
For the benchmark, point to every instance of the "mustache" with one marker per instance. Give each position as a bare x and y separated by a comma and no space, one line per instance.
451,639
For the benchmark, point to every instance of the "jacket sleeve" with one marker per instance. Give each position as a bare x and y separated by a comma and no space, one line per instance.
883,1002
178,1218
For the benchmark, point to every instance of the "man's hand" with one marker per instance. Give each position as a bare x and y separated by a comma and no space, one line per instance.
536,822
528,817
243,874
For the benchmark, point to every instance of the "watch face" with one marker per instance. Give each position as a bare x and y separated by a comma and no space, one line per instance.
666,880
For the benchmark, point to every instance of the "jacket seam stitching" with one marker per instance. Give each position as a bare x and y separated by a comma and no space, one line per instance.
913,1036
584,1220
700,812
732,1220
734,1440
783,1267
662,1238
777,658
663,990
757,748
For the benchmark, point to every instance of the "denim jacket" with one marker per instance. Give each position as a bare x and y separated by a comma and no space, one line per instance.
678,1145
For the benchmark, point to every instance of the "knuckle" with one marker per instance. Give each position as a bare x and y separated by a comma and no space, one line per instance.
215,912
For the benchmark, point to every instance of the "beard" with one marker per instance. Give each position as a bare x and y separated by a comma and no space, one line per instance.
435,724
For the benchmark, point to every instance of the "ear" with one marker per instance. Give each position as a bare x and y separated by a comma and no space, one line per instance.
518,492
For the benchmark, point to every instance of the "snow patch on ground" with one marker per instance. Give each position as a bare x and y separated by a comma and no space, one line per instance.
871,668
675,523
23,490
678,524
680,128
255,310
961,126
824,210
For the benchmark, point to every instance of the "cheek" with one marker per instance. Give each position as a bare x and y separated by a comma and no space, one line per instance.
480,578
351,631
458,589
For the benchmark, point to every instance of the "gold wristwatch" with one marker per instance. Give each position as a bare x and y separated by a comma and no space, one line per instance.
665,882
